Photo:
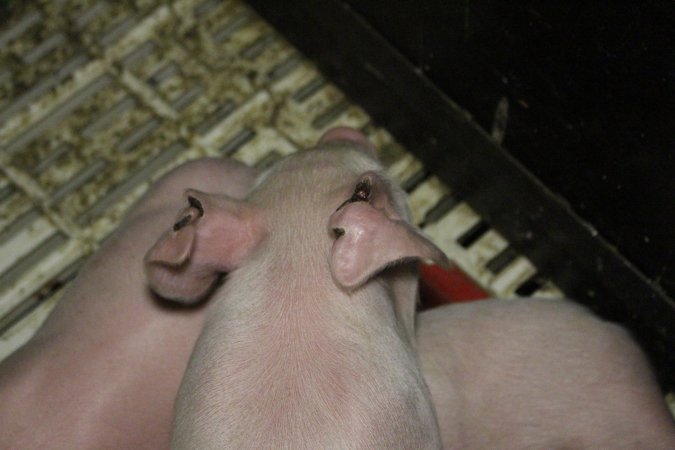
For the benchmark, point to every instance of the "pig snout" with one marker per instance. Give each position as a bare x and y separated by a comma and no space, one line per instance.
371,235
104,369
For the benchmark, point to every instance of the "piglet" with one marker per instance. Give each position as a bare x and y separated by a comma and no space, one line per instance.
308,343
539,374
104,369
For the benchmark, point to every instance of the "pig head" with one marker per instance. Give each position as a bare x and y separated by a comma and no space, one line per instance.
308,342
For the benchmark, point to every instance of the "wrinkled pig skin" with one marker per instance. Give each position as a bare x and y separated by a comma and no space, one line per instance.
104,369
306,344
536,373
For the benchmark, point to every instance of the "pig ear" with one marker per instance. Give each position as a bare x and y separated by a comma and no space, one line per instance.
212,235
371,235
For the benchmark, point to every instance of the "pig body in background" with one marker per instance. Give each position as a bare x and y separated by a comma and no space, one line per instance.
104,369
534,373
306,344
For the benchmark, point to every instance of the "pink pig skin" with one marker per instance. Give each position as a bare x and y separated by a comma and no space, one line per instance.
296,352
103,371
535,373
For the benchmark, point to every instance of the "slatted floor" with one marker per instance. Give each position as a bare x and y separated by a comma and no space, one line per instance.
99,98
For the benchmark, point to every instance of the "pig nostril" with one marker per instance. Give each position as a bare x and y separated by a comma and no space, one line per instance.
362,192
196,204
182,222
338,232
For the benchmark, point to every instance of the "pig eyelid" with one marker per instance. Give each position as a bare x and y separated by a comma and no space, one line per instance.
196,204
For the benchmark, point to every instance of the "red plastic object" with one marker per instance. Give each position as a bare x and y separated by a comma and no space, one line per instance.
439,286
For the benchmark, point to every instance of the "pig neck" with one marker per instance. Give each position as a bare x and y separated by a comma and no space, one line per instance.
286,294
294,288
